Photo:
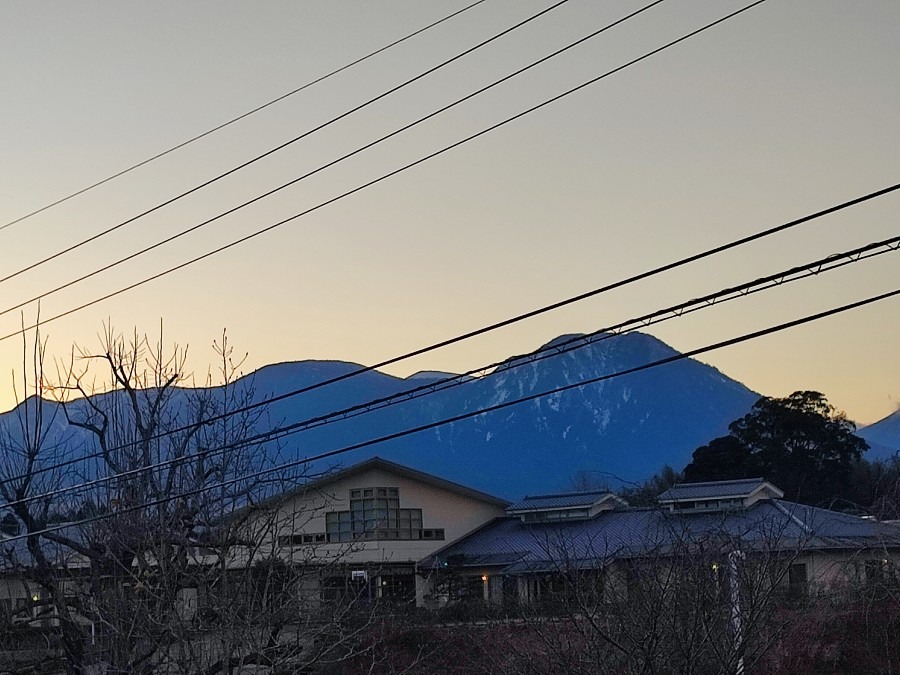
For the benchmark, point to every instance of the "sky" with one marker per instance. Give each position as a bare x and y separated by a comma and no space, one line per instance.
783,111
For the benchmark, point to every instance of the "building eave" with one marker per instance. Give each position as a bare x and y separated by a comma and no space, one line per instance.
320,484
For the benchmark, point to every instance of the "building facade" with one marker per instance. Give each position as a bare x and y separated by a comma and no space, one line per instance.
544,543
365,528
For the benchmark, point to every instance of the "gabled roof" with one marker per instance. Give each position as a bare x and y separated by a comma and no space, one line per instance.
14,553
412,474
561,501
322,483
720,489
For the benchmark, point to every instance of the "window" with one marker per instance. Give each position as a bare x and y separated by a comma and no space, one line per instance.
10,525
874,572
375,514
16,610
797,580
289,540
709,504
880,576
560,514
344,588
398,588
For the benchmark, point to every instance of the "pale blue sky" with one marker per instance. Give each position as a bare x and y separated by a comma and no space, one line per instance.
783,111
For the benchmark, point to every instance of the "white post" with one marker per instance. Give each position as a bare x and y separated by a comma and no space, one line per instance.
735,558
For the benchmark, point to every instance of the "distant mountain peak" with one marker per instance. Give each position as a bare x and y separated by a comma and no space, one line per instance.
883,436
630,425
434,375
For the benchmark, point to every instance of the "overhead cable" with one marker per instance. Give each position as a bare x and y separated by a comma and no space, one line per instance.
294,181
796,273
383,177
541,310
244,115
277,148
458,418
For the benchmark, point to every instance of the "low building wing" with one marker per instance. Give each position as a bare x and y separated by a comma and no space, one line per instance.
567,506
746,516
716,495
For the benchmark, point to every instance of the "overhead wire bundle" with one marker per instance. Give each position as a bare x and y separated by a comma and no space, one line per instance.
445,421
831,262
804,271
238,118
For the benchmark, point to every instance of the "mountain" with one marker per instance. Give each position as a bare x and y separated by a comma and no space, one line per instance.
883,437
435,375
628,426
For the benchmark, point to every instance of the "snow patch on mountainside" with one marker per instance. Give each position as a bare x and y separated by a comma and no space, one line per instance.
630,425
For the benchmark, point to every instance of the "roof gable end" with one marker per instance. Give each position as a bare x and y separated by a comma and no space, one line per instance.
745,489
323,482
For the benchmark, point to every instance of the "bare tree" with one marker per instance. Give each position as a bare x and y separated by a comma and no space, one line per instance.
683,601
152,568
30,450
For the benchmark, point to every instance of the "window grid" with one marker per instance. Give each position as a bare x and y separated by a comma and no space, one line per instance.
375,514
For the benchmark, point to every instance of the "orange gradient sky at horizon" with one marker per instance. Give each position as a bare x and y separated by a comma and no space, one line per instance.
783,111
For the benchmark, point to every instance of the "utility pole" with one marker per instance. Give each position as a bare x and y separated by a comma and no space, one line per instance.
735,563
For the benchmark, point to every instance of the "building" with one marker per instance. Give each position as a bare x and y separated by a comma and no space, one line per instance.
543,541
356,533
380,531
364,528
23,601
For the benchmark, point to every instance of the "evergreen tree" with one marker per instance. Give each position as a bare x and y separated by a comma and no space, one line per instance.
799,443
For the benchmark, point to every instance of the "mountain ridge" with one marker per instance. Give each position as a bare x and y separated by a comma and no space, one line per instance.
884,435
629,426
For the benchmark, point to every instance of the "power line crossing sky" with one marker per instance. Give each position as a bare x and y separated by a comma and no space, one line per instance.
786,110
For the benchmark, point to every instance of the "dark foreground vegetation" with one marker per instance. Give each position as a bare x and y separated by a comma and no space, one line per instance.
851,633
816,639
146,569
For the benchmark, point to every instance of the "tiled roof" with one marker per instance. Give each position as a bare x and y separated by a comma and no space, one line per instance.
559,501
515,547
711,490
14,553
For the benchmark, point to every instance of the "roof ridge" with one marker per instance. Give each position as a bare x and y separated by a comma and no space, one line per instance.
721,482
581,493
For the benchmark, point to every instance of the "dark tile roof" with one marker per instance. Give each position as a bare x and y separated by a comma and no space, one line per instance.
559,501
14,553
713,489
516,547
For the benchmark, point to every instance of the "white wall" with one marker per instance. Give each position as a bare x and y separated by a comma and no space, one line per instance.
455,513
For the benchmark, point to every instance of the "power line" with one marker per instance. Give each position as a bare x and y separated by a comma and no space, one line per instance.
536,312
464,416
277,148
257,109
521,317
383,177
322,167
816,267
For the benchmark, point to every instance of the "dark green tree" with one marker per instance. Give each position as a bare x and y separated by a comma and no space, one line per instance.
799,443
